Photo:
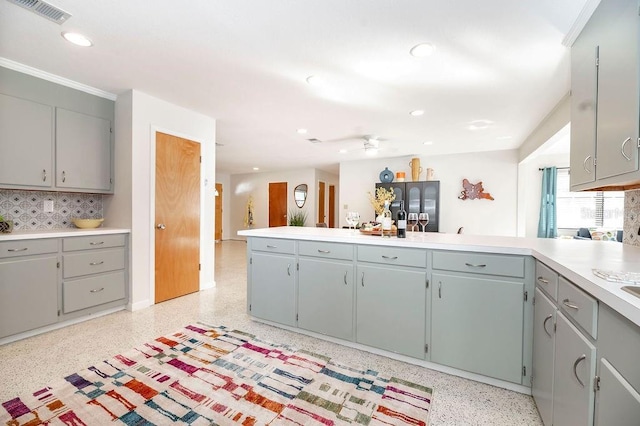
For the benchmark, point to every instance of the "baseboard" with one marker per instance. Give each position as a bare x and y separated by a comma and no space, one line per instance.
138,305
207,286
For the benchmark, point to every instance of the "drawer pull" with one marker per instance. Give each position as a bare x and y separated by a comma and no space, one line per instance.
542,280
472,265
362,280
622,149
544,324
584,164
439,289
575,366
96,243
324,251
289,269
22,249
96,263
64,176
345,277
568,304
44,175
389,257
97,290
268,246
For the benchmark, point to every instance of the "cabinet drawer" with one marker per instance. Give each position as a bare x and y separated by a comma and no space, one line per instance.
578,305
28,247
547,279
489,264
328,250
273,245
92,242
93,262
393,256
92,291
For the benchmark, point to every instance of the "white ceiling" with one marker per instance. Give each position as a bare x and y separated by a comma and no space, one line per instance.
244,62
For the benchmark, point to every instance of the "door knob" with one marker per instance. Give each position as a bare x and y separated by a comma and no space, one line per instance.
160,226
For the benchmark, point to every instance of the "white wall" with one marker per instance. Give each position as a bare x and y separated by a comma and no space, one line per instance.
328,179
135,158
498,171
225,180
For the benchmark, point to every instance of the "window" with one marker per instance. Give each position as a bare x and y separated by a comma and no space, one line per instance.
587,209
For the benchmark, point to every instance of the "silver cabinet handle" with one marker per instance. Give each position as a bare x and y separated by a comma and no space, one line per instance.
568,304
97,290
345,277
96,263
622,149
584,164
475,265
96,243
389,257
268,246
44,175
22,249
362,280
544,324
542,280
439,289
161,226
324,251
64,176
289,269
575,366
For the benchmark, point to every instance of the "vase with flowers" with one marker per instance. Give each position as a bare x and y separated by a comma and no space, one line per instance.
377,202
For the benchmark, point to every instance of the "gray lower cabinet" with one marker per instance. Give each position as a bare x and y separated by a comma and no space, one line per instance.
477,324
391,308
618,402
543,354
325,297
28,293
273,287
574,372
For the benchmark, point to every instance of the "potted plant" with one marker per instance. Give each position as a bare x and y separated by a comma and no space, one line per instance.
297,218
6,226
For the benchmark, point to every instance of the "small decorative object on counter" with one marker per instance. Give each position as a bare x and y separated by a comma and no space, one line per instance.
6,226
386,176
401,220
382,195
386,220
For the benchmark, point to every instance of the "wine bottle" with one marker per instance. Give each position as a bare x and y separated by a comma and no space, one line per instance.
386,220
401,220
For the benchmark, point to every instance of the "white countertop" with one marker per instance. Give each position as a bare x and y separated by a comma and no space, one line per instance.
573,259
56,233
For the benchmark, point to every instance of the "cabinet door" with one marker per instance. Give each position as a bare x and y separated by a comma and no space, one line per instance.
543,349
575,369
28,294
477,323
26,143
83,151
424,197
273,288
325,297
391,309
618,403
617,130
584,78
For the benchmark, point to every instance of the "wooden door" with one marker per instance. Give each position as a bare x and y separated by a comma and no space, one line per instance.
321,194
218,221
332,206
177,247
277,204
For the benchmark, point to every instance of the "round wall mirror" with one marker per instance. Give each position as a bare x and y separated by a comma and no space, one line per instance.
300,194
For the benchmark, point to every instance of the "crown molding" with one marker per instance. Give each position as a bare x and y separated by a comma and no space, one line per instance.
16,66
582,19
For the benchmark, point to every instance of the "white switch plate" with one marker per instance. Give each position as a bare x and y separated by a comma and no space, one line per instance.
48,206
346,206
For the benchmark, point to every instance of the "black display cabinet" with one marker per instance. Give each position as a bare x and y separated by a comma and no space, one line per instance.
423,196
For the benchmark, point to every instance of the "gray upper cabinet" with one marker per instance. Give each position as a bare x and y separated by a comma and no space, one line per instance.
605,105
26,140
83,151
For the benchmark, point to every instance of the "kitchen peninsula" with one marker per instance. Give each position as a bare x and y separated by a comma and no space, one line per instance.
462,304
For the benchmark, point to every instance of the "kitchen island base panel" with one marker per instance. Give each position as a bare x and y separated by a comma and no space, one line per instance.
399,357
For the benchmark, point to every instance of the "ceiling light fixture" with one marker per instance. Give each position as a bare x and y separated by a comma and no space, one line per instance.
77,39
371,151
313,80
422,50
256,168
417,112
301,131
479,124
343,151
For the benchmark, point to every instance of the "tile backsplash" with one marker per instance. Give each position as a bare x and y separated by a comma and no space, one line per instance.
631,218
26,208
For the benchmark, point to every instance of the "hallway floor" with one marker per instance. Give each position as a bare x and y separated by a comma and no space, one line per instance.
31,363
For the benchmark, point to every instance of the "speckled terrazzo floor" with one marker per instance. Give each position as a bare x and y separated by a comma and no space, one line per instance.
31,363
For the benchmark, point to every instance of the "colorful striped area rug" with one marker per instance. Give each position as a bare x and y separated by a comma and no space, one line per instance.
203,375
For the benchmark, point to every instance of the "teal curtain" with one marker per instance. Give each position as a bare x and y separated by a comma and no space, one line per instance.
547,223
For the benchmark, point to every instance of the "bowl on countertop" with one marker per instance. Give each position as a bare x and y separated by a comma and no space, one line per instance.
87,223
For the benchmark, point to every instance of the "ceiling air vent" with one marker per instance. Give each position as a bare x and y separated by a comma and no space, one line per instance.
44,9
314,140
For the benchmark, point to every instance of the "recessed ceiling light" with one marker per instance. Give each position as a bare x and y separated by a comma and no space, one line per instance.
427,143
313,80
77,39
479,124
371,151
422,50
302,131
417,112
343,151
256,168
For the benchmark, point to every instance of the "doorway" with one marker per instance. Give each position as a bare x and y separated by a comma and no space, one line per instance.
177,217
321,195
217,235
332,206
277,204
